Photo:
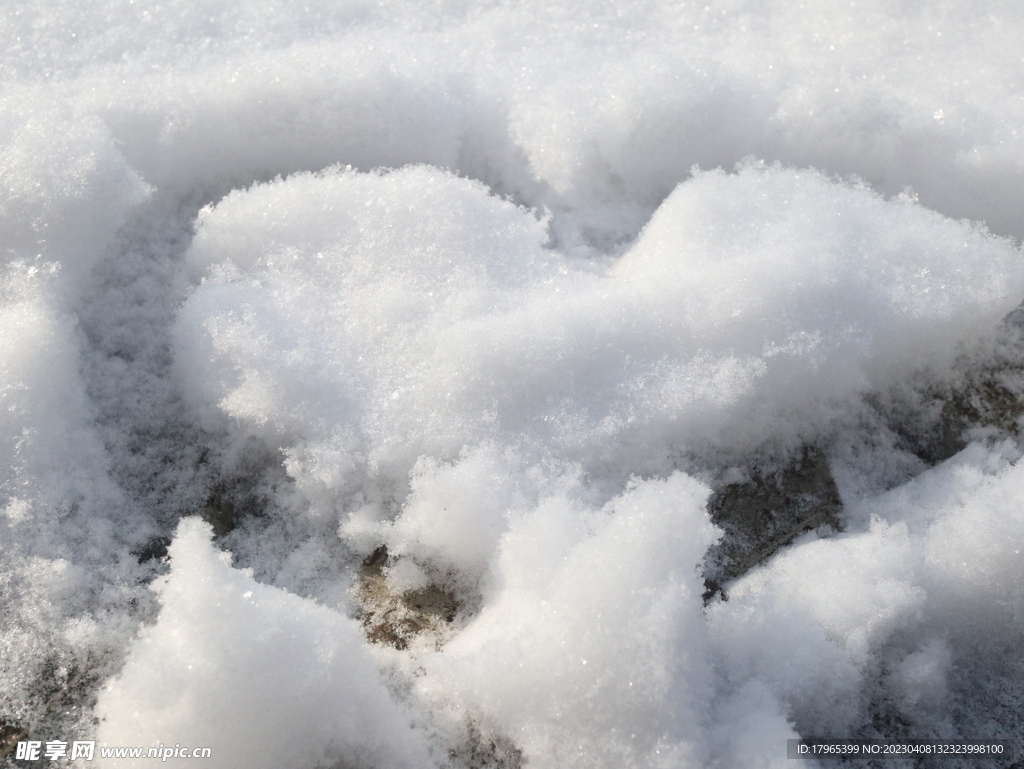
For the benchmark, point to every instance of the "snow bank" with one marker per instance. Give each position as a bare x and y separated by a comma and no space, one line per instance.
894,612
383,340
62,519
591,648
259,676
506,289
385,317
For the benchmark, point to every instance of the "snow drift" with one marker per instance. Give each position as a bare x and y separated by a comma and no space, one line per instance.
461,326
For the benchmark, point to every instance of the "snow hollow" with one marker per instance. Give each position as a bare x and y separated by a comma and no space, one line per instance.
510,384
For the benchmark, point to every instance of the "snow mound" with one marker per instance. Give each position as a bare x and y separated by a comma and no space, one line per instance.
260,676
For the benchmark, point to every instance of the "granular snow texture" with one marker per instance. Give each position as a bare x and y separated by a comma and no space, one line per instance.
510,384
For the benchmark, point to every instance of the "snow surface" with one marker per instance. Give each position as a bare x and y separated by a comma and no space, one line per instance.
512,290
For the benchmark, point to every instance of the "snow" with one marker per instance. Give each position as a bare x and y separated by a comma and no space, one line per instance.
933,578
461,317
232,663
